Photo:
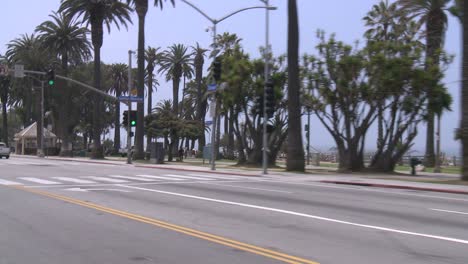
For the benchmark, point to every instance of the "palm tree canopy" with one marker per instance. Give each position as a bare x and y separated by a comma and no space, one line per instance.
63,35
119,77
426,10
176,62
156,2
111,11
27,49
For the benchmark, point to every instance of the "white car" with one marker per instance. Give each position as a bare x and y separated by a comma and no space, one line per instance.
4,150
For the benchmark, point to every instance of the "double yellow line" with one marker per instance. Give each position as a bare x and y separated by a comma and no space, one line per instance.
188,231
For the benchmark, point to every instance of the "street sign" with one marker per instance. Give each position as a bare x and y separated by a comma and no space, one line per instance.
131,99
134,92
19,71
4,71
208,123
212,87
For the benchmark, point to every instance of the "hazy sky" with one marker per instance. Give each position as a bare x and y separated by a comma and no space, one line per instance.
183,24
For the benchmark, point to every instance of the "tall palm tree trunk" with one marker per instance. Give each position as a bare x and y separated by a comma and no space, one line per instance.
97,39
295,159
64,115
175,106
141,8
435,29
117,125
464,92
150,104
4,97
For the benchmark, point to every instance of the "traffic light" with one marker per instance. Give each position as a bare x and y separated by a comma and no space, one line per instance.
306,127
258,107
51,77
270,98
217,69
125,118
133,118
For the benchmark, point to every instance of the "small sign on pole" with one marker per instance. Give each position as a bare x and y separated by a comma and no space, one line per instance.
212,87
208,122
19,71
4,70
131,99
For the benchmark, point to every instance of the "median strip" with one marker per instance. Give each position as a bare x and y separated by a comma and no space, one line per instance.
188,231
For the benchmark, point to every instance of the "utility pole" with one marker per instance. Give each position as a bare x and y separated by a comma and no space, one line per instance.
215,103
129,127
308,135
266,77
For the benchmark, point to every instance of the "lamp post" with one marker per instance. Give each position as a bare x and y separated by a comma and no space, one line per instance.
129,127
215,22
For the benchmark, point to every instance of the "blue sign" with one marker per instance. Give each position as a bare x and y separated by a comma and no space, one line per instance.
212,87
131,99
208,123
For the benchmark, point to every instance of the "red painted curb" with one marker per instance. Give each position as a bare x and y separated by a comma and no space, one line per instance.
193,170
396,187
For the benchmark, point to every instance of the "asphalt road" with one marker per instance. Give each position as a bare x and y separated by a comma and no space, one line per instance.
64,212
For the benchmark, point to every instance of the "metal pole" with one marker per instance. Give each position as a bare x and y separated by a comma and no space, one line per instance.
42,120
129,128
437,161
213,129
308,136
265,118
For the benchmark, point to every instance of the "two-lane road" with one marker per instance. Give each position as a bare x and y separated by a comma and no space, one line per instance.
67,212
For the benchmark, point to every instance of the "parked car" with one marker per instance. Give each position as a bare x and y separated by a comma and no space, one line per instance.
4,150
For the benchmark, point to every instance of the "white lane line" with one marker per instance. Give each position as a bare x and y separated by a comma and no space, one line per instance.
243,187
189,177
5,182
448,211
67,179
36,180
361,188
449,239
104,179
159,177
131,178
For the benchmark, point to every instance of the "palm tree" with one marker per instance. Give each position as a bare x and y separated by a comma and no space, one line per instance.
119,76
141,8
295,159
4,92
66,39
152,57
433,14
198,62
176,62
98,13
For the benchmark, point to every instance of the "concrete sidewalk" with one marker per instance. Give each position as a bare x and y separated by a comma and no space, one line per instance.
322,175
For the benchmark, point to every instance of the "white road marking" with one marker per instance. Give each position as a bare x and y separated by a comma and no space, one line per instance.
243,187
36,180
218,177
448,211
189,177
5,182
449,239
131,178
104,179
67,179
87,190
159,177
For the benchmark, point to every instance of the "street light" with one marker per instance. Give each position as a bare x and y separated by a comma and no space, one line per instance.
215,22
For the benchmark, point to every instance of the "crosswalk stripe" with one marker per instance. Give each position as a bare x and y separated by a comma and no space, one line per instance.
218,177
5,182
66,179
104,179
159,177
131,178
189,177
36,180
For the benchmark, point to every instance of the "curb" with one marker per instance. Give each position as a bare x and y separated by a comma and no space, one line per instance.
378,185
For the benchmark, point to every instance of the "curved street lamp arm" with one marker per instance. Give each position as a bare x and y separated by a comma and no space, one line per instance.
200,11
238,11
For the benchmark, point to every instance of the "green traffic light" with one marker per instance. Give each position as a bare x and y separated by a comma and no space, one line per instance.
51,82
133,123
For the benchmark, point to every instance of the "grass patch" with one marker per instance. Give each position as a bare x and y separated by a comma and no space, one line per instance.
449,170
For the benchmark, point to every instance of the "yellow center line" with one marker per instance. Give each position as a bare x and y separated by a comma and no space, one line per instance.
180,229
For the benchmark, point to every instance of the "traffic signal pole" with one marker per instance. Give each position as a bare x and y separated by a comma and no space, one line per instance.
129,127
265,116
214,119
